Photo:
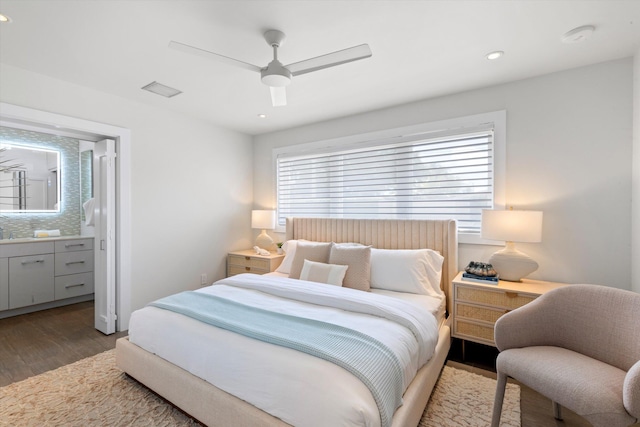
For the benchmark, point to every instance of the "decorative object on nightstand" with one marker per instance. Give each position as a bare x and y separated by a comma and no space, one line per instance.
480,272
512,226
280,250
264,220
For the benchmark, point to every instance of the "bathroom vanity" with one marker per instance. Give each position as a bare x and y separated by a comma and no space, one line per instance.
41,273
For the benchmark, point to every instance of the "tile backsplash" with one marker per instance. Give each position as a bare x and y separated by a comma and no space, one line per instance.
68,219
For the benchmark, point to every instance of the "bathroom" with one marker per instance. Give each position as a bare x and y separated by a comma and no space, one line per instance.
47,245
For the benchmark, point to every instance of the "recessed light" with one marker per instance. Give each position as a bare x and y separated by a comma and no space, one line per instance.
494,55
262,116
4,18
579,34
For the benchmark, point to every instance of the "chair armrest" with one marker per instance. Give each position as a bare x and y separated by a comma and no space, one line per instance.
631,391
529,325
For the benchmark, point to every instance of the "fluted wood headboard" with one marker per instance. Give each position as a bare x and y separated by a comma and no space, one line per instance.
439,235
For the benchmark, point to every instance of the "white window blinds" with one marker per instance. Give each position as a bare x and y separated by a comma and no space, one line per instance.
417,177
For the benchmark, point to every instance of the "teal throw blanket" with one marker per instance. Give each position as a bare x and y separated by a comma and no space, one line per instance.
365,357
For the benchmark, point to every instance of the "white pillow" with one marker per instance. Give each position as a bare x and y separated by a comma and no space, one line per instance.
404,270
289,248
330,274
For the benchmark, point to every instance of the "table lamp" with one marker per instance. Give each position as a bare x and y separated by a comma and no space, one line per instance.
512,226
264,220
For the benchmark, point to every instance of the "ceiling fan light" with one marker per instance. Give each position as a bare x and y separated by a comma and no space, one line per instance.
276,75
278,96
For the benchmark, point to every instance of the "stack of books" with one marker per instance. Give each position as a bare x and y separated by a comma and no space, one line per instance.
490,280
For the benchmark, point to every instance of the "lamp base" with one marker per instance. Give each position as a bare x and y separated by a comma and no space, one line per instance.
511,264
264,241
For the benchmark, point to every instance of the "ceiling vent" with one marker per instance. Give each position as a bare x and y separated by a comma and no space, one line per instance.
160,89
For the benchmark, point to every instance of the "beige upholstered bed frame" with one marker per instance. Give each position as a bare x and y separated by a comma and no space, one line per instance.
215,407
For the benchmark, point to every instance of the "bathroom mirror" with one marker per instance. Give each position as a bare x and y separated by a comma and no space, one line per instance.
29,179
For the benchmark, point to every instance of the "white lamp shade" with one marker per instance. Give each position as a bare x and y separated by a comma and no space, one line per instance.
512,226
263,219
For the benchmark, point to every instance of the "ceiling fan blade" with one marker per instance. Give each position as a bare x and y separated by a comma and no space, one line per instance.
278,96
330,60
210,55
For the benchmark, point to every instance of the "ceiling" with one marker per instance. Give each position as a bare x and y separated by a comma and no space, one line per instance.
421,49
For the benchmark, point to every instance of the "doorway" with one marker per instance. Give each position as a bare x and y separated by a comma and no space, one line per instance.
120,267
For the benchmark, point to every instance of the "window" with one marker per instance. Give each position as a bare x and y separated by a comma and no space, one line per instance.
425,175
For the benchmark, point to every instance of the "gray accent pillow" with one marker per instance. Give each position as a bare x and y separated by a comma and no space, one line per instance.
317,252
358,258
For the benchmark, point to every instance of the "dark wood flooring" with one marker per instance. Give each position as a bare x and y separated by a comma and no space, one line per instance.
34,343
38,342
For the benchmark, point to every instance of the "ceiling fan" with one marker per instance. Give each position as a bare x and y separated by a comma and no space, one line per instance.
277,76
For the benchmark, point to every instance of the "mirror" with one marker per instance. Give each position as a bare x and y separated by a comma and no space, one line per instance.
29,179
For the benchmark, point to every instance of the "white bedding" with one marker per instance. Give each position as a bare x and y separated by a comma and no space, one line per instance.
283,381
427,302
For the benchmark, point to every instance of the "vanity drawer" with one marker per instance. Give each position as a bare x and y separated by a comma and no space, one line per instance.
10,250
73,285
74,245
239,261
74,262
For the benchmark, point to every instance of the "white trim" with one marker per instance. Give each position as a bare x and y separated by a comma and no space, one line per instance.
122,137
497,118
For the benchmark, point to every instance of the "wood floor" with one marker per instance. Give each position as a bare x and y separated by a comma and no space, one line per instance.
35,343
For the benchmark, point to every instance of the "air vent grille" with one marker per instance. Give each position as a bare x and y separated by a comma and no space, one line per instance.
163,90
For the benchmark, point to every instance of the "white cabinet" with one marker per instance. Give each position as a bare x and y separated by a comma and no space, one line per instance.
30,280
39,272
4,284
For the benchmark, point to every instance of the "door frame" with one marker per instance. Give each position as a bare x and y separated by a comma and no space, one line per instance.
61,124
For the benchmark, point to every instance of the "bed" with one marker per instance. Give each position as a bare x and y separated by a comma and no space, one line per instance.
213,406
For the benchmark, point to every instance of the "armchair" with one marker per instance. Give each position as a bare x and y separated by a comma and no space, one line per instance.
578,345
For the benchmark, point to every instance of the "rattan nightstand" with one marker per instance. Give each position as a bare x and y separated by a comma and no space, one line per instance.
477,306
249,262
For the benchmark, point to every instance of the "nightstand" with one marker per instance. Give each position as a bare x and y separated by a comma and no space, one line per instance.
477,306
250,262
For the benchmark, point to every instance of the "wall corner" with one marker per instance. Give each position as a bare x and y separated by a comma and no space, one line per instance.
635,174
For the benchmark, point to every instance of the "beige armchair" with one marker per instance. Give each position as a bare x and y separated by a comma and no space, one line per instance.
578,345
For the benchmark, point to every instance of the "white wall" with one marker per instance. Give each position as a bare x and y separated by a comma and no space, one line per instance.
568,154
635,196
180,227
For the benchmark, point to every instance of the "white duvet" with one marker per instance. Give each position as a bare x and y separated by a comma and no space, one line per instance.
300,389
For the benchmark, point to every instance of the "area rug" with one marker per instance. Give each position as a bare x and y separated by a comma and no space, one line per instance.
461,398
94,392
